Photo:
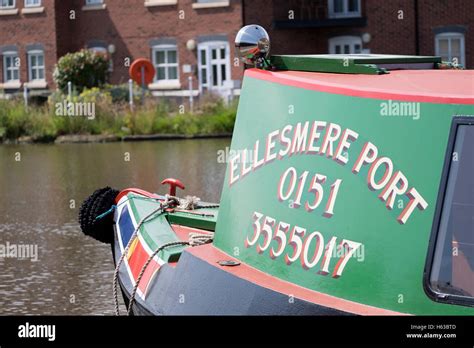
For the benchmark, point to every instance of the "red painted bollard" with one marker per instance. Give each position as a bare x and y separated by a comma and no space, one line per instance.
173,184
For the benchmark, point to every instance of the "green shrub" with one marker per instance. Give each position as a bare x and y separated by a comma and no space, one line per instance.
121,94
84,69
153,117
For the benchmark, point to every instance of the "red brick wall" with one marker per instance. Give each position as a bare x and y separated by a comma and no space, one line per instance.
130,27
392,32
391,25
23,29
127,24
443,13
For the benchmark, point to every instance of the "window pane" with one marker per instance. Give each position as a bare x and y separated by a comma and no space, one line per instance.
9,75
203,57
443,47
6,3
338,49
160,57
222,53
214,75
347,49
16,74
455,47
32,2
204,76
353,5
41,74
33,61
40,60
338,6
161,73
223,73
34,76
453,272
214,53
173,73
357,48
172,57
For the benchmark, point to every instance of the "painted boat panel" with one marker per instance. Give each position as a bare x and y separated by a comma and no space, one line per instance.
387,272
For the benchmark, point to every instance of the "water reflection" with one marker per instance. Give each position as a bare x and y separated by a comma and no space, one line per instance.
40,198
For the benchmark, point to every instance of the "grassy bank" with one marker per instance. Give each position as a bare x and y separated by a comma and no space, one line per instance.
112,116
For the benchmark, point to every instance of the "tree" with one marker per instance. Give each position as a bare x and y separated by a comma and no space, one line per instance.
84,69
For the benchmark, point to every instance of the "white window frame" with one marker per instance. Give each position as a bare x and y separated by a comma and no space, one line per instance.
345,13
450,36
207,47
37,4
7,7
38,67
345,40
94,2
165,48
6,69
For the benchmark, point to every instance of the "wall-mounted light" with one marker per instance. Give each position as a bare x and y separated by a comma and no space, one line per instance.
366,37
191,45
111,49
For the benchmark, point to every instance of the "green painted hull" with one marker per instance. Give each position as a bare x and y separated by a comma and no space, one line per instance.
389,270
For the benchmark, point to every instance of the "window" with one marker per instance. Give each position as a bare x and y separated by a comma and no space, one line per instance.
210,3
344,8
450,47
94,2
36,65
449,275
345,45
165,60
214,64
7,3
11,67
32,3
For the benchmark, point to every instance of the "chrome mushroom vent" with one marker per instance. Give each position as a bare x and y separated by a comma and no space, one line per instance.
253,46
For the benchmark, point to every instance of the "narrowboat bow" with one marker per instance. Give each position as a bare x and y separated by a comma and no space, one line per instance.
351,192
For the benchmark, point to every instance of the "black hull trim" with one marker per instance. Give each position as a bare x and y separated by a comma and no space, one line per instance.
195,287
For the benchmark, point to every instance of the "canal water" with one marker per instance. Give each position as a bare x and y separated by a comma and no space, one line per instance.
41,190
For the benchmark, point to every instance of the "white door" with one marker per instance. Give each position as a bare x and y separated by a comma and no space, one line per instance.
214,66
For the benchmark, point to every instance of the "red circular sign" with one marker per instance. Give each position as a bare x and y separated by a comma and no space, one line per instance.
139,66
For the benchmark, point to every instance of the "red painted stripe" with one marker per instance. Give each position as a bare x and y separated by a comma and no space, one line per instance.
426,86
137,191
137,261
212,255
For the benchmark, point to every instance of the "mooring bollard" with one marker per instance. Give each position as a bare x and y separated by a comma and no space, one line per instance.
191,97
25,95
69,91
130,93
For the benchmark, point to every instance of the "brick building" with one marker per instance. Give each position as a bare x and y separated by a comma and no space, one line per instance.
414,27
182,38
195,37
